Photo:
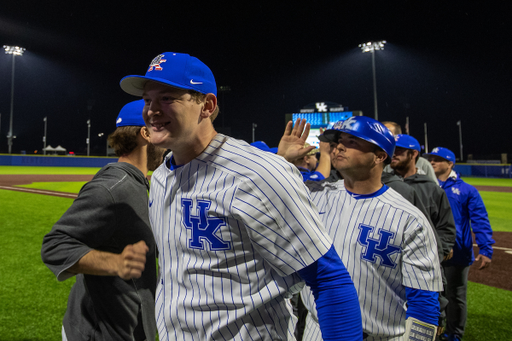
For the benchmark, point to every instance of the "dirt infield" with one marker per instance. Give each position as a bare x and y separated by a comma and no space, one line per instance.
497,275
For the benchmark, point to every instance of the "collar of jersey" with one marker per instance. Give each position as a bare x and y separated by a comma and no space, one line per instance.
171,164
366,196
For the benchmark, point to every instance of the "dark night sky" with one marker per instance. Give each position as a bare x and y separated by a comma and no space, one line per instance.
444,62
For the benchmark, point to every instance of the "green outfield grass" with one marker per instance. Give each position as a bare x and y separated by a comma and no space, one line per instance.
489,311
499,208
33,302
48,170
68,187
488,181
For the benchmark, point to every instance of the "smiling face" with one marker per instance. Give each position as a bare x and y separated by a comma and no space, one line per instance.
172,115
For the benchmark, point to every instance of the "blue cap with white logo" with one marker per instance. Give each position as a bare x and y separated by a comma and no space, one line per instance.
445,153
407,142
178,70
131,115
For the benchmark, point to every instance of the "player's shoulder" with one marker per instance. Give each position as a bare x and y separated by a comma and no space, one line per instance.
243,160
398,202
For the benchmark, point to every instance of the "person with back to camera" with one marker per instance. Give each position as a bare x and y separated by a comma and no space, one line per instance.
387,243
236,230
470,215
105,240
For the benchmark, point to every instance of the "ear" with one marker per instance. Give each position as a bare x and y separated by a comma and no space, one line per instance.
415,154
210,104
144,132
380,156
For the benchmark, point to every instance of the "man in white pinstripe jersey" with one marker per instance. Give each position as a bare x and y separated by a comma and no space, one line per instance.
386,243
236,231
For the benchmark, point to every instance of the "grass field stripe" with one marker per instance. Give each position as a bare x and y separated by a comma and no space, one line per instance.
37,191
498,248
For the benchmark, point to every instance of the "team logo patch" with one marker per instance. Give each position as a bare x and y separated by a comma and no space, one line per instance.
435,150
155,63
377,248
203,228
455,190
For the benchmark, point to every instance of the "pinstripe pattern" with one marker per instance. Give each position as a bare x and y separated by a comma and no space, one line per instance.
381,289
271,226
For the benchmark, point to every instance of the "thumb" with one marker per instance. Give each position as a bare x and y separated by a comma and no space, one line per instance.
141,246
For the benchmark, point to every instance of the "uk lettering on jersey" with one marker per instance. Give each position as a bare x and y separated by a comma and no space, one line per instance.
386,244
233,227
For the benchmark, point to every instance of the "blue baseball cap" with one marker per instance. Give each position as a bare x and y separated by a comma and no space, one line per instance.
365,128
407,142
445,153
263,146
178,70
131,115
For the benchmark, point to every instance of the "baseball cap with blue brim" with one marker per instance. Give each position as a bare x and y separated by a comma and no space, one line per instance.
131,115
407,142
178,70
445,153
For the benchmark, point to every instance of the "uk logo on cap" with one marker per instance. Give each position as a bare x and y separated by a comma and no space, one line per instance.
155,63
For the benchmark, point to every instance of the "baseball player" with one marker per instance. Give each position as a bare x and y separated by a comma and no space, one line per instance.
386,243
403,163
236,230
470,215
104,239
422,164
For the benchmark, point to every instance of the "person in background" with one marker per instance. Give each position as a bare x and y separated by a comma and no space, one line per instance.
421,163
105,240
470,216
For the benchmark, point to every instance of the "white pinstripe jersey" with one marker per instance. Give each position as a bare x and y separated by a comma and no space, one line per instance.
386,244
233,227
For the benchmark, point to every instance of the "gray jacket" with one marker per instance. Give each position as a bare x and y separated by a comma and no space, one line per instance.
110,212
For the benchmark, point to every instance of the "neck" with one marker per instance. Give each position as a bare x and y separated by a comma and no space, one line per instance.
363,183
137,158
188,151
444,176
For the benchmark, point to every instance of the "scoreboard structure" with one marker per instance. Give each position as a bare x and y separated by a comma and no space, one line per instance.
321,119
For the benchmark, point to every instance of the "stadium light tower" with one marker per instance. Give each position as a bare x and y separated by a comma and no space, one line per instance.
372,46
15,51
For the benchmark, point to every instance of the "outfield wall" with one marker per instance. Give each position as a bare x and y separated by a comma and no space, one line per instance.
54,161
484,170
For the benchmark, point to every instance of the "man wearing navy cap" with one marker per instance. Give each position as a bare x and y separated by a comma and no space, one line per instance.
236,230
105,240
470,215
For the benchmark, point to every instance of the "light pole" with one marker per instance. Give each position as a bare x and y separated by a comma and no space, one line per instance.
88,136
44,137
426,137
459,123
15,51
254,126
372,46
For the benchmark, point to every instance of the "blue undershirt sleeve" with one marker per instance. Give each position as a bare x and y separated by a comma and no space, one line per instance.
336,299
422,305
